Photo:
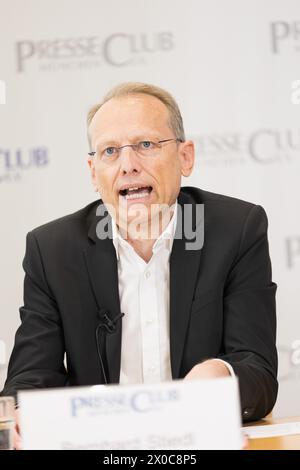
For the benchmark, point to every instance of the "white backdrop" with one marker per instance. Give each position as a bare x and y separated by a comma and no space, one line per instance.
231,65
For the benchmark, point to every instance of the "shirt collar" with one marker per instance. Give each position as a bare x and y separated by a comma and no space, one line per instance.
166,237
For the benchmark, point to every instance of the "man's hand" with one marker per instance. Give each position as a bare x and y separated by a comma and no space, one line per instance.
211,369
17,437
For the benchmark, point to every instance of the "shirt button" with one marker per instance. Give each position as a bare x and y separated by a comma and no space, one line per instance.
148,274
149,321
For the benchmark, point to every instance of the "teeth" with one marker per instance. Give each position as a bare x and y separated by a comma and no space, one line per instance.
134,189
136,196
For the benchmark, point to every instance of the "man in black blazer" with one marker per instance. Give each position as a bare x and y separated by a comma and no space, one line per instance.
219,298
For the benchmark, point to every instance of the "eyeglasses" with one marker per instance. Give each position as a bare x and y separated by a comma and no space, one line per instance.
145,148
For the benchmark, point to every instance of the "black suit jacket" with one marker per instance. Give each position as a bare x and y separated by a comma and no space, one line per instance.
222,302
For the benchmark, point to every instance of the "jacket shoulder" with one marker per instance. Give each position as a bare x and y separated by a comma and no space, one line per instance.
68,225
225,210
206,197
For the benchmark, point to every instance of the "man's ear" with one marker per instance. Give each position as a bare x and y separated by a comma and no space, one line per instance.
91,165
187,157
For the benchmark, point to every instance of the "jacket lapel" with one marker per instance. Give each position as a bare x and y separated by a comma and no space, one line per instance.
102,268
184,267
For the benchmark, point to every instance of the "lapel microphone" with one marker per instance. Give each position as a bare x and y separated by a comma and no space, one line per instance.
109,326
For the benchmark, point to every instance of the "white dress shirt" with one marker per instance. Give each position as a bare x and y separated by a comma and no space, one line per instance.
144,290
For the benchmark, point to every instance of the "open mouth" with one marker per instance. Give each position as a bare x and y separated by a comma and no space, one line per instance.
136,192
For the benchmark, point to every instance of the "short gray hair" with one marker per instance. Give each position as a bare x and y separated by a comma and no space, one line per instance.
133,88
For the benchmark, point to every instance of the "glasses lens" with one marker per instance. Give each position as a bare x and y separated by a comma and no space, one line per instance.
146,148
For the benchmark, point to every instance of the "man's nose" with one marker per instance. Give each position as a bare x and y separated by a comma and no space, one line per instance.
129,161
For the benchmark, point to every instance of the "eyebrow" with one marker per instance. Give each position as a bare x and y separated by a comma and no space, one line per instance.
138,138
105,144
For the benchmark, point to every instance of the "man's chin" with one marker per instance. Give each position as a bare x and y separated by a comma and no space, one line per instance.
141,221
135,215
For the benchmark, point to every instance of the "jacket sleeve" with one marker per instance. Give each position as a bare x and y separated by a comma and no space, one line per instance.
250,319
38,353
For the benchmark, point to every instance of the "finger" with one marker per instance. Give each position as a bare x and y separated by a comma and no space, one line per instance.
17,441
245,444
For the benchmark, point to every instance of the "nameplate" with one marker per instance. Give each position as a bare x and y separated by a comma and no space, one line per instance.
197,414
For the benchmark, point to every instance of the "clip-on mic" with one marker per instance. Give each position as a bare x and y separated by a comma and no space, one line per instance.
109,326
